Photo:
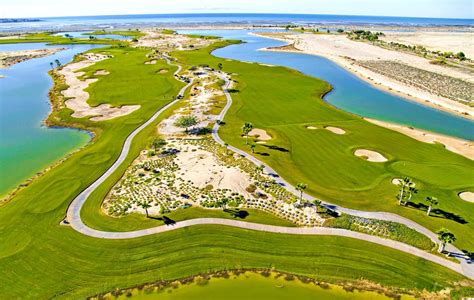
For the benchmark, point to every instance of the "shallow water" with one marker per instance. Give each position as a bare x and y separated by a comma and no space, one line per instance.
350,93
255,286
26,146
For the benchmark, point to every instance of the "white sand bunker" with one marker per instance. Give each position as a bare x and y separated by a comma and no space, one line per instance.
370,155
396,181
260,134
467,196
77,97
101,72
150,62
335,130
311,127
163,71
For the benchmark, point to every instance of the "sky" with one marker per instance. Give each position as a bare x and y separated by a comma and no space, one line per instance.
406,8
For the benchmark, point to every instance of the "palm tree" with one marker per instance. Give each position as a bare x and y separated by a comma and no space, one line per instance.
252,147
301,187
52,65
445,237
317,203
158,143
219,65
226,148
145,205
259,170
246,130
432,201
411,190
58,63
404,185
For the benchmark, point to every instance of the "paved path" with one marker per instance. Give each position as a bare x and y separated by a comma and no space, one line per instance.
74,217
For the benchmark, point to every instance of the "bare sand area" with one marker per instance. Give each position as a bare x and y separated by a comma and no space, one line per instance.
456,145
168,42
443,41
77,96
260,134
370,155
335,130
347,53
10,58
467,196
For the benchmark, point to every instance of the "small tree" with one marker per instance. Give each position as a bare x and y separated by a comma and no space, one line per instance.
58,63
226,148
445,237
301,187
252,147
259,170
405,192
317,203
246,130
145,205
186,122
158,143
432,201
52,65
220,66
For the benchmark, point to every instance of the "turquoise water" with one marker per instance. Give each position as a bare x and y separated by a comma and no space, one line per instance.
350,93
26,146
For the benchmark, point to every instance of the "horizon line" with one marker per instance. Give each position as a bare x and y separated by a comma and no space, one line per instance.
234,13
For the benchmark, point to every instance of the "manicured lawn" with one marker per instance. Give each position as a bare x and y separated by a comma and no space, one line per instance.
284,102
41,259
57,261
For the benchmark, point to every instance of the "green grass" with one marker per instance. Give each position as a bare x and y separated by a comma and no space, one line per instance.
48,37
41,259
287,101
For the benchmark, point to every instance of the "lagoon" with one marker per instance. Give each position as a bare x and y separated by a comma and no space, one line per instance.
26,145
349,93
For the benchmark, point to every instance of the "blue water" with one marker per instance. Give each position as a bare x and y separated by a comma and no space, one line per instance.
350,93
26,146
81,35
58,23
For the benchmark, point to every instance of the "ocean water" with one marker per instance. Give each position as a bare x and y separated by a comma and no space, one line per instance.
62,23
350,93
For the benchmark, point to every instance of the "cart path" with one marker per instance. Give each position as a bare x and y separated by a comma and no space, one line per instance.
75,221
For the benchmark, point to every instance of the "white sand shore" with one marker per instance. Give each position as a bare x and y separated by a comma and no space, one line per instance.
9,58
443,41
343,51
459,146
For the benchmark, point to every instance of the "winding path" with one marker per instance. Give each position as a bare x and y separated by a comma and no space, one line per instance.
74,210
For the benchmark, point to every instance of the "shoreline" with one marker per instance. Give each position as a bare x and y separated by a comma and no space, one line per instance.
382,82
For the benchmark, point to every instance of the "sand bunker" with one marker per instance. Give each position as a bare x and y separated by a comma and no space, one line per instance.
467,196
370,155
77,97
163,71
311,127
101,72
396,181
150,62
335,130
456,145
260,134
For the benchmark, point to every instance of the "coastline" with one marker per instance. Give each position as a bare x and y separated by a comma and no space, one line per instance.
379,81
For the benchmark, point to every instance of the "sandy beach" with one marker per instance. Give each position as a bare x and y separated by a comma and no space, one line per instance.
347,53
456,145
9,58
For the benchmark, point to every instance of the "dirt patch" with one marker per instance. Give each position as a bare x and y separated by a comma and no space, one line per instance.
101,72
467,196
77,97
260,134
335,130
370,155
